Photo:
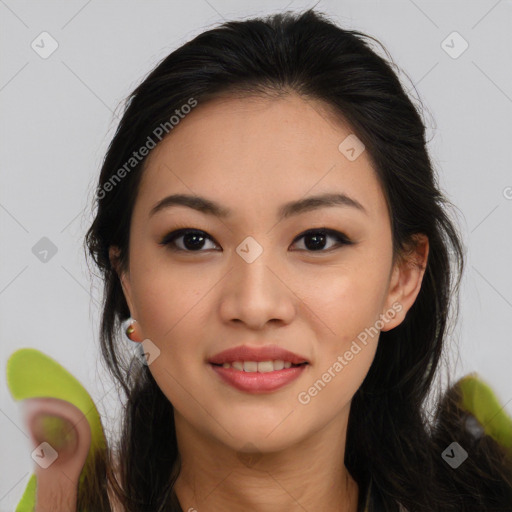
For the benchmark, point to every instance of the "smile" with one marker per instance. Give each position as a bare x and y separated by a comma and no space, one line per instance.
259,366
258,377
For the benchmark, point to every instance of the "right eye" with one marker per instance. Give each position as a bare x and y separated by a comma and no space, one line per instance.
193,239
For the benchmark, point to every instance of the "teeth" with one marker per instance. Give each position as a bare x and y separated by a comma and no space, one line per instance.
261,367
250,366
265,366
278,365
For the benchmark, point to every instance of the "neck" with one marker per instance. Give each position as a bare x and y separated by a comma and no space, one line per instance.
310,475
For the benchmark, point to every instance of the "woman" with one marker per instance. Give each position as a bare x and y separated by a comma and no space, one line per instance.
268,220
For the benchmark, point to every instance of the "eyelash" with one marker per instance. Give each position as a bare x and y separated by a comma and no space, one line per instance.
170,238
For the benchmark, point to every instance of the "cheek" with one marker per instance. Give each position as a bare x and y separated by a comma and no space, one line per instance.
171,309
348,306
348,299
348,302
166,297
174,311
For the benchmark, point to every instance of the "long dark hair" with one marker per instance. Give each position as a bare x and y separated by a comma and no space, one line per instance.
392,441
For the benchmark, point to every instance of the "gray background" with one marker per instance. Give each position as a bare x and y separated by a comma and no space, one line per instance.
59,113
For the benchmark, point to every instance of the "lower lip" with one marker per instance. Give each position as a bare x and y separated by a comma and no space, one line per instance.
256,382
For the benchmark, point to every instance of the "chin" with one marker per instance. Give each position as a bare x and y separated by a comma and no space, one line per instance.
263,438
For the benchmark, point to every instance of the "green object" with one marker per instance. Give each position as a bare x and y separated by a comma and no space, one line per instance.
481,401
33,374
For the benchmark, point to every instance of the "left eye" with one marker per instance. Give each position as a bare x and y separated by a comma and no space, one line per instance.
318,237
193,239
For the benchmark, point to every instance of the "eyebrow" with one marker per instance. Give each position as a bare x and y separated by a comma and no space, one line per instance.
209,207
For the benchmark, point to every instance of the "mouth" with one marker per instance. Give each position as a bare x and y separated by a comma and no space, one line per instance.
257,377
261,369
249,359
260,366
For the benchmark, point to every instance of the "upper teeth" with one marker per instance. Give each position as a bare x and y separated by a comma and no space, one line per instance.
261,366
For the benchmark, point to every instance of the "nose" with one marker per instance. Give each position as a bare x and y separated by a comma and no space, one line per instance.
257,293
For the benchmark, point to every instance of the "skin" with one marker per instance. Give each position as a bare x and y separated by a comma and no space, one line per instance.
264,452
253,155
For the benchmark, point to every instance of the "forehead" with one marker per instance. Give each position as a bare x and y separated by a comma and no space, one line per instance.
248,152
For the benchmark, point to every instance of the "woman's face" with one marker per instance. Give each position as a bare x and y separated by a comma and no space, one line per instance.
252,279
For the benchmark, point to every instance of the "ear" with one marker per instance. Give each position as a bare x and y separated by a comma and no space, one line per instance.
124,276
406,278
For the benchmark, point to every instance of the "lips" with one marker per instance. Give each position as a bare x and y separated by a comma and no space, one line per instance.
258,354
256,382
236,367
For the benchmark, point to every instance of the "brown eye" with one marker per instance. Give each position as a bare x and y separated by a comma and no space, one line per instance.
316,239
193,240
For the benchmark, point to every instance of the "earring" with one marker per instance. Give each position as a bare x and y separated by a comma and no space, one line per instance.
129,329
